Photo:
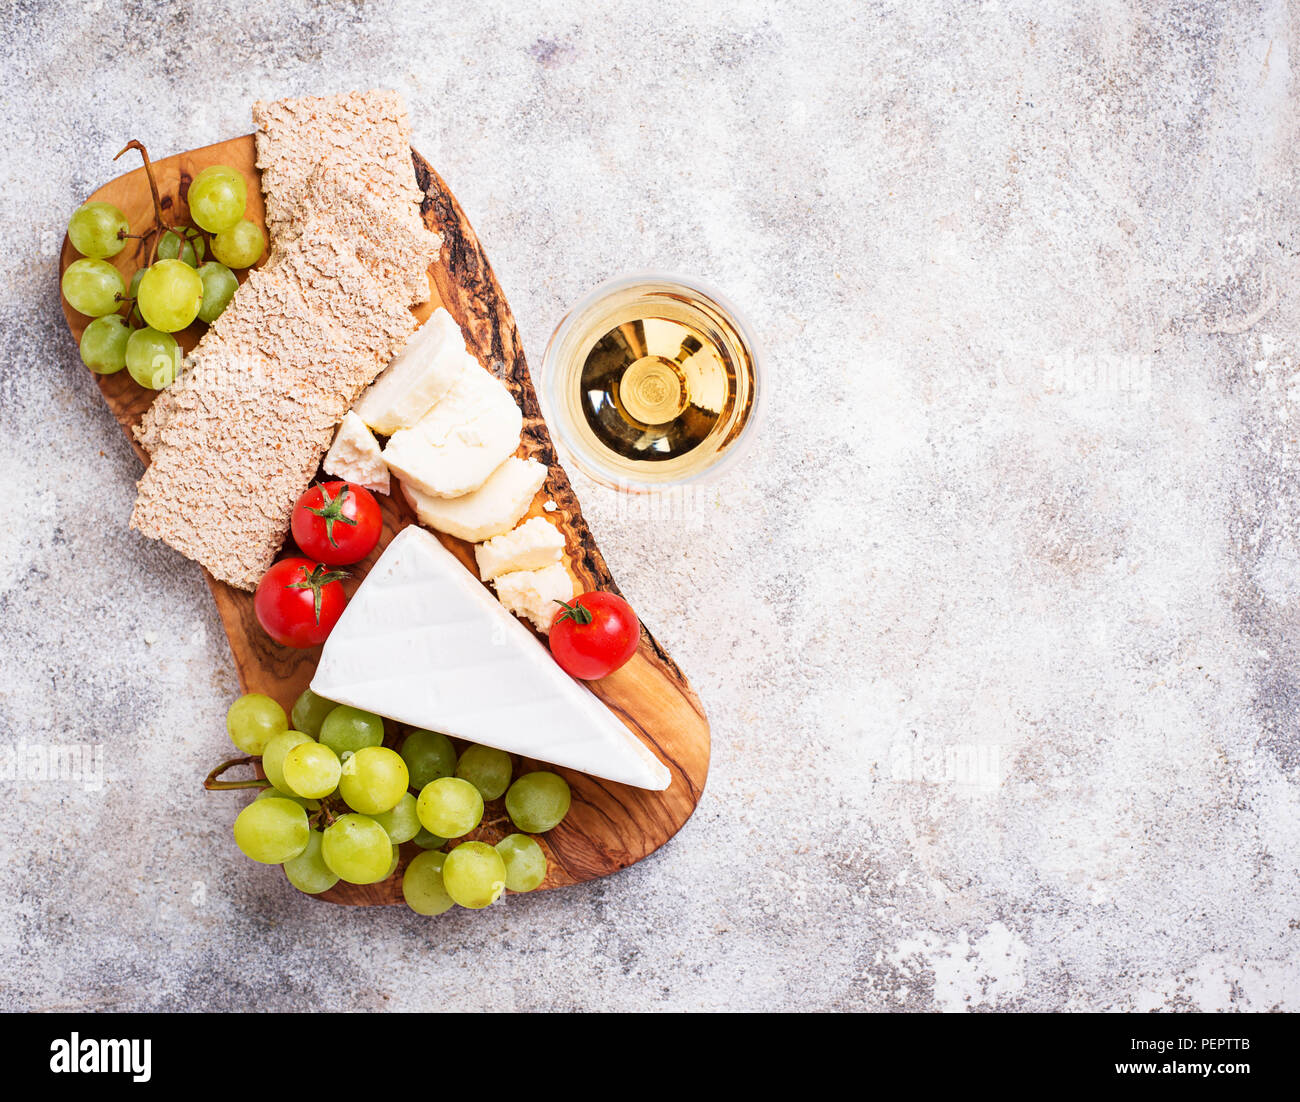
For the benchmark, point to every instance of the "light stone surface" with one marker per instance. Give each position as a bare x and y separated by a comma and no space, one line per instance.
997,626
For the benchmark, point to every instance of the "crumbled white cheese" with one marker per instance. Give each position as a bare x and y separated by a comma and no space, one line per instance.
355,456
532,593
534,544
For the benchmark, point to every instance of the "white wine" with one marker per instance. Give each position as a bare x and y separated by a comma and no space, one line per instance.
650,381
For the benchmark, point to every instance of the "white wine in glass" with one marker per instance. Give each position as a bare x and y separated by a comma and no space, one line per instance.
651,381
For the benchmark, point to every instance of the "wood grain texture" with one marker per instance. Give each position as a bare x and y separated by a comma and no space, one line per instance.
610,826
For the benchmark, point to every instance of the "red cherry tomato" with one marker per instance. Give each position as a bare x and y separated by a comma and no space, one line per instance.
298,601
595,635
336,523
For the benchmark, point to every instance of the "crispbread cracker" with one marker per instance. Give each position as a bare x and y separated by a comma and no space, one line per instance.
397,250
317,313
323,268
367,132
237,438
230,512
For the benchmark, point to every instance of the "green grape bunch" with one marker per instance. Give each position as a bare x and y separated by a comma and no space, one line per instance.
132,320
339,805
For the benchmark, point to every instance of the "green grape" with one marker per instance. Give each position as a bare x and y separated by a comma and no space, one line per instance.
272,831
357,849
392,866
171,293
217,198
153,358
428,755
276,794
537,802
273,756
253,720
525,862
309,712
374,780
474,875
184,244
486,769
311,770
449,807
422,885
346,728
93,287
219,287
103,344
96,229
308,872
241,246
426,839
402,822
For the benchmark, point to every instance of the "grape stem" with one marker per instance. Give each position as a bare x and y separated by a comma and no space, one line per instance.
160,222
213,784
323,812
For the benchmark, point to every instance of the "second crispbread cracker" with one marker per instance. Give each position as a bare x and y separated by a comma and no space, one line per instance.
318,310
324,269
316,314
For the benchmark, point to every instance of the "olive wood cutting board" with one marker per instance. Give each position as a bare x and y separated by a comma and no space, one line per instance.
609,826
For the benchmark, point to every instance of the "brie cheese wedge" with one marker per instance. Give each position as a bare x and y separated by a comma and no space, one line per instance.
354,456
534,544
424,643
453,448
533,593
493,508
418,377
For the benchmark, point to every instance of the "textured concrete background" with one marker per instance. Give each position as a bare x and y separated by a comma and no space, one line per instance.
997,627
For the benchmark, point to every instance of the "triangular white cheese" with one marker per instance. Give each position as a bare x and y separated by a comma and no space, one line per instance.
423,642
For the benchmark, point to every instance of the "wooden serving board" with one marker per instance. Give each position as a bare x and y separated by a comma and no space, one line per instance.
610,826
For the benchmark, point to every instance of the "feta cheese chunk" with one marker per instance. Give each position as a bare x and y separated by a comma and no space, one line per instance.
534,544
532,593
355,457
423,642
453,448
418,377
494,508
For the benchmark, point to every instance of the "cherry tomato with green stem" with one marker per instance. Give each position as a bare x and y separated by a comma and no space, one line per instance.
595,635
337,523
298,601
